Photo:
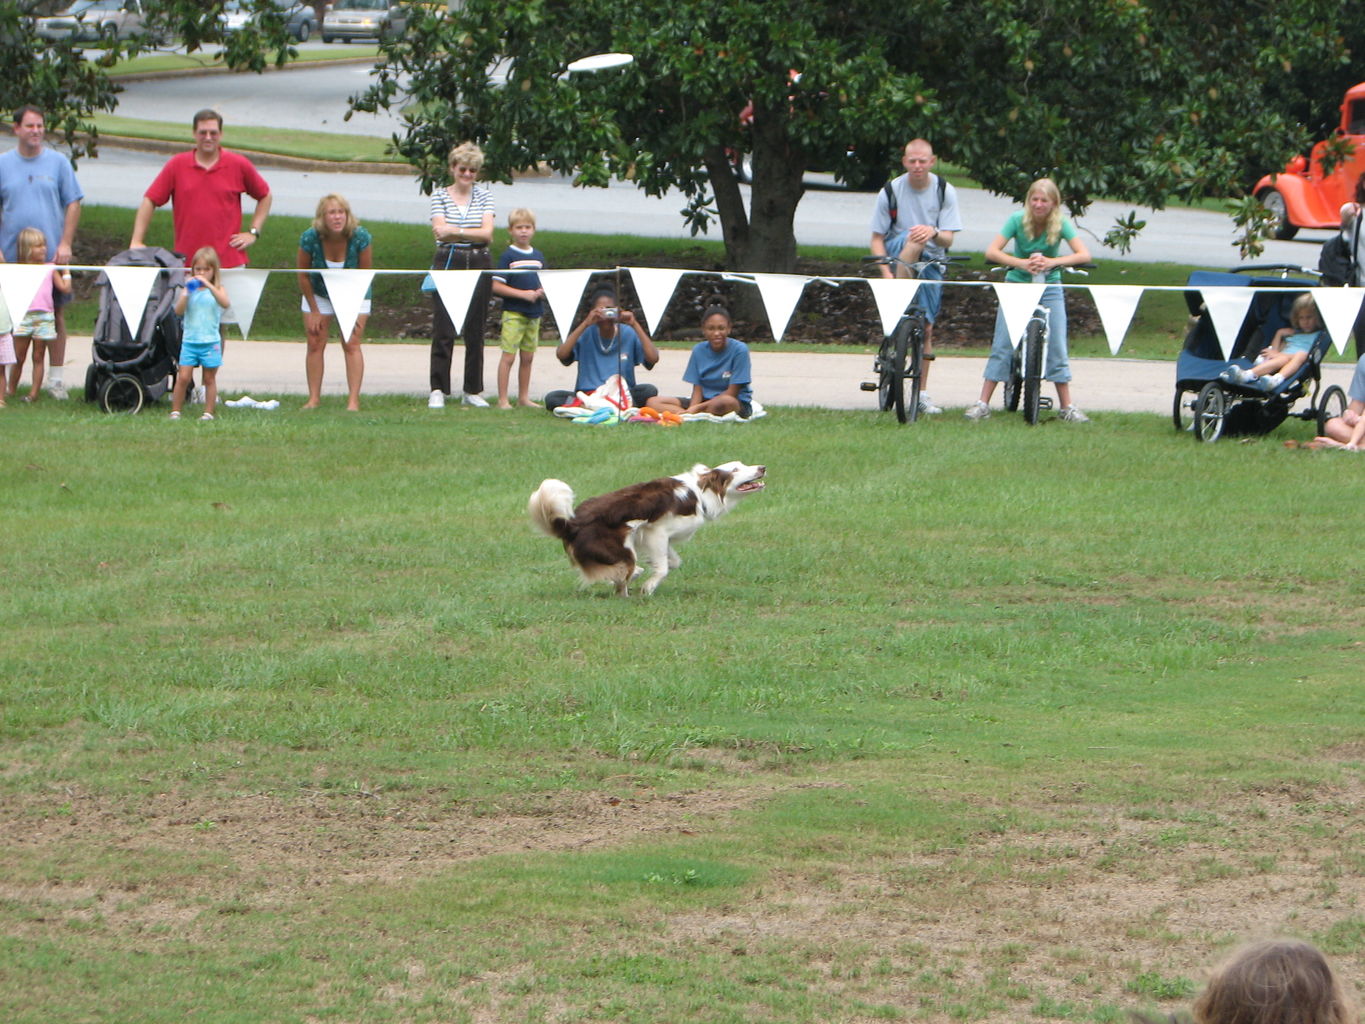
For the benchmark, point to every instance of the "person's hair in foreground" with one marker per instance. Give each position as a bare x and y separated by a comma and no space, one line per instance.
1278,981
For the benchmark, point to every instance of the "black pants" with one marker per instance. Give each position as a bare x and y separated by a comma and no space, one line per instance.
451,257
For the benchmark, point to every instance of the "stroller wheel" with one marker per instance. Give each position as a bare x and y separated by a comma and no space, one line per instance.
92,383
122,393
1182,410
1332,405
1210,410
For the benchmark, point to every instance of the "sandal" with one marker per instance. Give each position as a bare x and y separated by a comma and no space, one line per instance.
175,415
206,416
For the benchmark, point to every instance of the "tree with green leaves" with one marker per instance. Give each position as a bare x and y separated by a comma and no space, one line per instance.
70,81
1125,99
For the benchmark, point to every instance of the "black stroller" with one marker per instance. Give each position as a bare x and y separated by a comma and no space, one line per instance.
1209,404
130,370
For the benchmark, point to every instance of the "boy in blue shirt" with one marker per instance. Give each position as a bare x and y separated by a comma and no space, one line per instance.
609,340
517,282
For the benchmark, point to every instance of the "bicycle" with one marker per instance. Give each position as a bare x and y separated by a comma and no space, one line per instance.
1025,380
900,356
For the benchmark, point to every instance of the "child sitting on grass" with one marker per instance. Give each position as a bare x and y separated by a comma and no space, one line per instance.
1287,351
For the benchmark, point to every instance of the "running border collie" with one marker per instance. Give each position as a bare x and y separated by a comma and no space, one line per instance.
607,536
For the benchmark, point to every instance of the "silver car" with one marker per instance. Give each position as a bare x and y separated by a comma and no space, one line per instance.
300,21
363,19
93,20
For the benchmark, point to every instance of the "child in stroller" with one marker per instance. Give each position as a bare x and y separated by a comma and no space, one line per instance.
1287,351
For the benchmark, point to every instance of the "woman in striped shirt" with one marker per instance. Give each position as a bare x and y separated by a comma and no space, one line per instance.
462,223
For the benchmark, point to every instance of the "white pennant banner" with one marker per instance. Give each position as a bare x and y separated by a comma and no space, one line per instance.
244,288
346,289
780,293
1116,304
1339,308
1227,309
131,287
19,282
893,296
654,287
563,292
456,289
1017,303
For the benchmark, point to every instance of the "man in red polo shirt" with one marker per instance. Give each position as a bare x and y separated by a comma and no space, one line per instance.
205,188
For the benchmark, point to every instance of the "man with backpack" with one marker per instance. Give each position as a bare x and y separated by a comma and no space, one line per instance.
916,217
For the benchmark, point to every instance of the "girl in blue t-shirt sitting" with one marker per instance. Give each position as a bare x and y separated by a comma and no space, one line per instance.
1287,351
718,370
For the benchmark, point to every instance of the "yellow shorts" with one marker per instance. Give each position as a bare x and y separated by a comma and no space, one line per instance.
519,332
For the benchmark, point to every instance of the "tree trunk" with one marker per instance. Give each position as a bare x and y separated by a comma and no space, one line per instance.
763,240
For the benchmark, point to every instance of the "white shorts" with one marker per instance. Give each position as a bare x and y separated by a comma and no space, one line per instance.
325,306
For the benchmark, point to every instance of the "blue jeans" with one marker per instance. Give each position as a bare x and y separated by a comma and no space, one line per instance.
930,297
1056,366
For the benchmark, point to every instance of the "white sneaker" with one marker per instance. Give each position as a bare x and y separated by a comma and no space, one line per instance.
927,406
1073,415
978,410
437,400
475,400
57,391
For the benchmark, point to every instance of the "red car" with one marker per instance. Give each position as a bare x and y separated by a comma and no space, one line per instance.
1301,195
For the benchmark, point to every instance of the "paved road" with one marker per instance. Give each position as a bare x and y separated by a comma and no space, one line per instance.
780,378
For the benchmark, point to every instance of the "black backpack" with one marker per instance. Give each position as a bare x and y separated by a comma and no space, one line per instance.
895,208
1336,260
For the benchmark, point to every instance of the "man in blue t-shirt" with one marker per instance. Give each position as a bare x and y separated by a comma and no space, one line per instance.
38,189
609,340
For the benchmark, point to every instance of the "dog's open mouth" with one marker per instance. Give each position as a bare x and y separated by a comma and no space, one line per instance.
751,485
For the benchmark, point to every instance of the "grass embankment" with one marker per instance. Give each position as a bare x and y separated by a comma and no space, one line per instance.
959,722
1156,332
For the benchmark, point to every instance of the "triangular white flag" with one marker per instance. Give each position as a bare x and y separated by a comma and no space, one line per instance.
131,287
244,287
20,283
893,296
1227,309
780,293
346,289
1116,304
563,292
1339,308
456,289
1017,303
654,287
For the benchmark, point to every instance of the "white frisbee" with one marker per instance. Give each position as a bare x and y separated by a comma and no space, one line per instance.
599,62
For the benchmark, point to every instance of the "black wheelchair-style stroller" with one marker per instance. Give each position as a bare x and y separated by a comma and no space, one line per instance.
133,368
1210,405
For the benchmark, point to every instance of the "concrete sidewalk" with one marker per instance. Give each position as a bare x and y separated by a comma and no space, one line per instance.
821,380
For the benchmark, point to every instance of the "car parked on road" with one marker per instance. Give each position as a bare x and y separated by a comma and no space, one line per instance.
1304,194
94,20
301,20
363,19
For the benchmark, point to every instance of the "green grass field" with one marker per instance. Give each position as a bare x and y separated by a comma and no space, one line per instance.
300,722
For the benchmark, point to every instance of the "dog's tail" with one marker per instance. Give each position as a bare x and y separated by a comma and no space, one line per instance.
551,508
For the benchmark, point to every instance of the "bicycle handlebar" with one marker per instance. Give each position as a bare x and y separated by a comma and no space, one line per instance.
941,261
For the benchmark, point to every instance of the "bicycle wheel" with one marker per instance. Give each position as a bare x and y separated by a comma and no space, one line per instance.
900,341
1033,370
1014,381
914,367
885,378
